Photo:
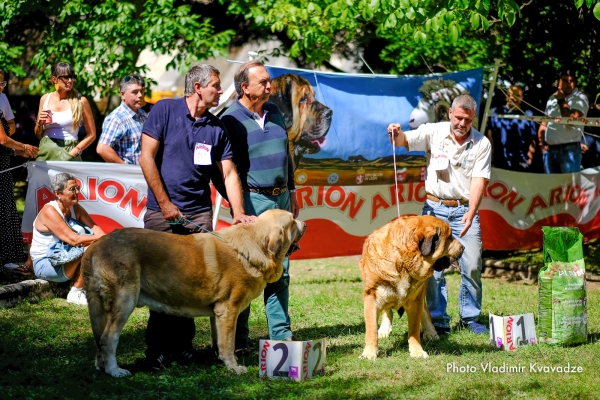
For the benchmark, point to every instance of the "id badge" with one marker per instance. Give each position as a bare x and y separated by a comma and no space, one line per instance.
440,162
202,154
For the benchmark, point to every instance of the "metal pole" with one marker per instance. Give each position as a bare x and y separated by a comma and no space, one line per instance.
488,103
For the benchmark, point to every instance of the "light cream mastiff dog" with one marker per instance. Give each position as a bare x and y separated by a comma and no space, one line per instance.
195,275
396,263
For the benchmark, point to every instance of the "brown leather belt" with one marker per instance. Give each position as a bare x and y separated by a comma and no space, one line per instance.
275,191
448,203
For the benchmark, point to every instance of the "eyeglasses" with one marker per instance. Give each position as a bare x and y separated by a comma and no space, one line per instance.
65,78
74,189
136,78
3,84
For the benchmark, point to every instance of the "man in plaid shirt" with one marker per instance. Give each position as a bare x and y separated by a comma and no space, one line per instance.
122,129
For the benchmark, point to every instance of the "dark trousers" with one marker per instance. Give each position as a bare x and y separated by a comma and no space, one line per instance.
170,334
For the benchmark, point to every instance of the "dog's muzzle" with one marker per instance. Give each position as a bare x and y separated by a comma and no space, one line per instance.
293,248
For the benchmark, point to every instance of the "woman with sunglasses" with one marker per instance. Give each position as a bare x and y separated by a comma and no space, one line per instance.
11,240
51,224
61,114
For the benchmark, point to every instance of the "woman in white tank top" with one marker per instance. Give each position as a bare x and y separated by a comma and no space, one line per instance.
50,224
58,128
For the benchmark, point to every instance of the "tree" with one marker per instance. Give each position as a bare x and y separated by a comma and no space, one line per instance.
318,28
102,39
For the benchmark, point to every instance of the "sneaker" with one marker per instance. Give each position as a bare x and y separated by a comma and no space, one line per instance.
292,339
77,296
186,357
442,330
154,363
476,328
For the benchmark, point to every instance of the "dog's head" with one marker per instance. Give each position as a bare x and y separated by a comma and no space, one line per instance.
266,242
307,120
424,244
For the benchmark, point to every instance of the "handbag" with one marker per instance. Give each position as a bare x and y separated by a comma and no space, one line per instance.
60,252
4,149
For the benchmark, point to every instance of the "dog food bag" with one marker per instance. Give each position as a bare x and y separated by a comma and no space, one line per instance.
561,281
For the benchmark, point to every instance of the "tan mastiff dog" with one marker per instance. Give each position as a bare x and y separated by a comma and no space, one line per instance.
203,274
397,260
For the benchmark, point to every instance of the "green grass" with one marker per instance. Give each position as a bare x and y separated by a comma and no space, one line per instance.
47,351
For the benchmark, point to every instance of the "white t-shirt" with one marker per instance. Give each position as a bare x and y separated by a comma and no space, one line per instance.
5,107
559,133
450,167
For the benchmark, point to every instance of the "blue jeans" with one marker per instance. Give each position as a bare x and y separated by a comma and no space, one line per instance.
562,159
470,291
276,294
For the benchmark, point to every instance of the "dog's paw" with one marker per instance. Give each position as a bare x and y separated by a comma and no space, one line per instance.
430,335
118,373
384,331
369,354
240,369
419,354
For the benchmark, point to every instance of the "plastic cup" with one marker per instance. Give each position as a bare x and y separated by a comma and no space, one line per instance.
49,117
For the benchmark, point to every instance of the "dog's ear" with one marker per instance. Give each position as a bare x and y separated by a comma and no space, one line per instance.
281,95
429,243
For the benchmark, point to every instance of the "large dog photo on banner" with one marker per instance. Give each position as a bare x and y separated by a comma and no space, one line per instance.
307,120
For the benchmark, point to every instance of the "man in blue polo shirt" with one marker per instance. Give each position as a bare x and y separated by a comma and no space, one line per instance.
261,155
180,142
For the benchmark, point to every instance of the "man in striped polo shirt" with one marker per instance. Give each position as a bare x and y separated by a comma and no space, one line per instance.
261,155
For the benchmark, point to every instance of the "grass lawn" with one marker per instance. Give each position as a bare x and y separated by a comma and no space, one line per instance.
47,351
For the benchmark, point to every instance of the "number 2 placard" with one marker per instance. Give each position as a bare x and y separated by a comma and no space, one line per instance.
291,360
513,331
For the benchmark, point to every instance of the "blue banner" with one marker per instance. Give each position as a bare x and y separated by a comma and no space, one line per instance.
337,123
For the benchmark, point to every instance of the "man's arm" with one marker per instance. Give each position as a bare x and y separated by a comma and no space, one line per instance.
542,137
108,154
148,164
475,195
234,192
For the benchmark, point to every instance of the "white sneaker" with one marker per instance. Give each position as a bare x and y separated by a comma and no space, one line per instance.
77,296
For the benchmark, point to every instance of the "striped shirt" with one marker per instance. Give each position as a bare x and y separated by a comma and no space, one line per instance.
122,130
261,156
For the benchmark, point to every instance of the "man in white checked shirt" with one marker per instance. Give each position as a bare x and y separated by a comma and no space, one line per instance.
120,141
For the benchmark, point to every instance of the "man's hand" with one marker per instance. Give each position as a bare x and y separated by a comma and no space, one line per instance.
396,135
584,148
467,220
170,212
295,208
559,94
244,219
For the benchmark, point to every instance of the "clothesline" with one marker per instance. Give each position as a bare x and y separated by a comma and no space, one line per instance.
18,166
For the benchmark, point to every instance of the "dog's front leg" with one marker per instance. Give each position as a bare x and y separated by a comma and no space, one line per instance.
370,304
386,323
413,313
226,318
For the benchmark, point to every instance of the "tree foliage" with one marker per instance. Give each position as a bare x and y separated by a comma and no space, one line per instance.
103,39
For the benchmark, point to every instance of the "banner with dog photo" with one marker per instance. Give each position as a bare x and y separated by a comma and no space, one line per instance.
337,123
339,218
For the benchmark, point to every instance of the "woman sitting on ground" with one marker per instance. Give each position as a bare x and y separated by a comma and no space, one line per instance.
58,128
51,224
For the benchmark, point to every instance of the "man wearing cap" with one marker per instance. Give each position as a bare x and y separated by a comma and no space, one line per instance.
458,169
120,141
560,143
261,155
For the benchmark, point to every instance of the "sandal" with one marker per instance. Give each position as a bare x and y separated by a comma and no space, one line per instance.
24,269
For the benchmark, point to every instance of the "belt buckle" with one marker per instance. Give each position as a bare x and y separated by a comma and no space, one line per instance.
276,191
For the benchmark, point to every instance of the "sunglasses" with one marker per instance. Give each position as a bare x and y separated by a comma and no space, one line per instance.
65,78
74,189
3,84
135,78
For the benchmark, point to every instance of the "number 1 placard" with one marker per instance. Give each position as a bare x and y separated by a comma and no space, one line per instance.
292,360
513,331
